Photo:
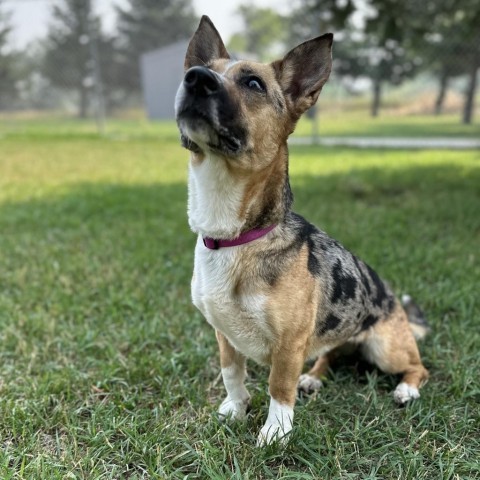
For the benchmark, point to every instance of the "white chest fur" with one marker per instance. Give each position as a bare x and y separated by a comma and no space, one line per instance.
214,199
240,317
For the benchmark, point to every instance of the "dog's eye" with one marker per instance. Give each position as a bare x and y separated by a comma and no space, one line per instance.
255,83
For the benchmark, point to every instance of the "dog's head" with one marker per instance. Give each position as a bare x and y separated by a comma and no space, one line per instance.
244,110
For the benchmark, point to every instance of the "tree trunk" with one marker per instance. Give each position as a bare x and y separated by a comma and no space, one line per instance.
377,95
441,92
470,93
83,107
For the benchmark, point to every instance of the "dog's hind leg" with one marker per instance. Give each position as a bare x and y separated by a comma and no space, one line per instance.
390,345
312,380
233,365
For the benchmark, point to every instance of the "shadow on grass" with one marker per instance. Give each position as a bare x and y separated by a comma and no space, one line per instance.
425,203
416,226
89,204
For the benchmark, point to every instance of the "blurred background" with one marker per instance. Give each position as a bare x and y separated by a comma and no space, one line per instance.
401,68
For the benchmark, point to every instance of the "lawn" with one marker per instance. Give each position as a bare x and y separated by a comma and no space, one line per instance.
108,372
331,122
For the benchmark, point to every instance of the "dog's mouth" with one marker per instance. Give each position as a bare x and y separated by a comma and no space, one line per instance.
226,144
199,132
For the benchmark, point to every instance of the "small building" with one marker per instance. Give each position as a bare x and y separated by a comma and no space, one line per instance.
161,72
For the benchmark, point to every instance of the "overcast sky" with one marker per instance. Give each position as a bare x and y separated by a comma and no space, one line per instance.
30,17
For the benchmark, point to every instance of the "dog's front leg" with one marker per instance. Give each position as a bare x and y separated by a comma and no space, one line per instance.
287,364
233,365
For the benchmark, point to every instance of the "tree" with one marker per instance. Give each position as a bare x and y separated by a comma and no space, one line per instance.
66,62
310,18
388,46
379,47
437,47
146,25
441,36
8,73
472,84
263,30
34,90
469,11
448,39
444,56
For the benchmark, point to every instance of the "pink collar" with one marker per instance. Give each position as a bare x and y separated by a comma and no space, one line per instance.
246,237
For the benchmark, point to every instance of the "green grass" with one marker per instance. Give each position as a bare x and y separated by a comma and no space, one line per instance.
361,124
331,123
107,371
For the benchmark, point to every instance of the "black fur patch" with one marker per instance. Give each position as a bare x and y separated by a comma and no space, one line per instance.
381,293
287,194
391,304
305,234
330,323
369,321
272,263
365,281
313,264
344,286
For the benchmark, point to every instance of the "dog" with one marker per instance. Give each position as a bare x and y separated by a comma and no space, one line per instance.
275,288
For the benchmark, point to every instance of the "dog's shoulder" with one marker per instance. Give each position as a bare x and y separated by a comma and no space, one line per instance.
351,290
327,257
294,234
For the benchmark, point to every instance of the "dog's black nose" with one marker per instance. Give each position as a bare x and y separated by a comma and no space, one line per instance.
201,81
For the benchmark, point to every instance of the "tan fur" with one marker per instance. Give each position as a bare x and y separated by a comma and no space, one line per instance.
264,189
292,318
228,355
320,367
391,346
292,311
286,368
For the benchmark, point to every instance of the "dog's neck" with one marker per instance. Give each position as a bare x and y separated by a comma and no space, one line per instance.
224,203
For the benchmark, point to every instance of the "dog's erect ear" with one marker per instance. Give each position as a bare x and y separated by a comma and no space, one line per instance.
206,45
303,71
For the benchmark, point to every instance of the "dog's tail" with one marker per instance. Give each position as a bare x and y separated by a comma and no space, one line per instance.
416,317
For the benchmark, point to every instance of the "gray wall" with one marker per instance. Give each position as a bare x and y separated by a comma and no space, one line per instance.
161,72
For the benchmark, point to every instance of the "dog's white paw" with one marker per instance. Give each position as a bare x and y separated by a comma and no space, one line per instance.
404,393
279,423
273,432
309,384
233,410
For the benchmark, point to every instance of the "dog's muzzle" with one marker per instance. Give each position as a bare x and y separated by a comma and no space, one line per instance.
201,82
207,115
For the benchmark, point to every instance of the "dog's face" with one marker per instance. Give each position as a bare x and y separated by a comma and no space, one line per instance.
242,110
